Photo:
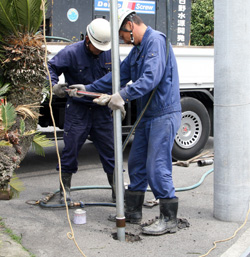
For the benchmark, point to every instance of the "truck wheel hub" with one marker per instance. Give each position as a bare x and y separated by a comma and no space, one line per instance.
190,130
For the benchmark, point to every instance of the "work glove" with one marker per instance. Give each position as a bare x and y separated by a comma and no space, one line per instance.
102,100
116,102
75,88
59,89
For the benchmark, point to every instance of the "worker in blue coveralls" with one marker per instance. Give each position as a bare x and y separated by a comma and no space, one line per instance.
82,63
150,159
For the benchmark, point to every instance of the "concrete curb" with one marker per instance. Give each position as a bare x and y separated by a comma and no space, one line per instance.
241,248
10,248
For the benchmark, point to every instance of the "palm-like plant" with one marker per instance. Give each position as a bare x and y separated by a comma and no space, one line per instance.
22,52
22,66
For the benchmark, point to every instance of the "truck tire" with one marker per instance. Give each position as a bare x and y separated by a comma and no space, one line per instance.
194,131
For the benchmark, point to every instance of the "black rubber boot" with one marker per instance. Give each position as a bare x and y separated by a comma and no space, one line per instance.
66,180
167,222
111,181
133,207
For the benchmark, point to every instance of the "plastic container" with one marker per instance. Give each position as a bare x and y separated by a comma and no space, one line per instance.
79,216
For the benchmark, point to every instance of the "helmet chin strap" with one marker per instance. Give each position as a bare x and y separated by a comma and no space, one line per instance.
87,45
87,41
131,34
132,37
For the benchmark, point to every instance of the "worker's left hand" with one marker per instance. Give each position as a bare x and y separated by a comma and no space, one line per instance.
59,89
116,102
75,88
102,100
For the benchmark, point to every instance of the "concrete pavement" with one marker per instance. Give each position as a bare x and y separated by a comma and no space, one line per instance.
44,230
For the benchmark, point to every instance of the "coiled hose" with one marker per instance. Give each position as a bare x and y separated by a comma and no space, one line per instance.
43,202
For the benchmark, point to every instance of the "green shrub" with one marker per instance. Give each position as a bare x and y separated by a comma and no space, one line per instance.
202,23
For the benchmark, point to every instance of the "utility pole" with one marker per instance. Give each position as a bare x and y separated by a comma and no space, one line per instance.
232,110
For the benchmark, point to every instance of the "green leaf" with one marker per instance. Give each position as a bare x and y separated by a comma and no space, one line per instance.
39,142
28,14
22,127
8,115
5,143
6,18
23,16
30,132
16,186
4,88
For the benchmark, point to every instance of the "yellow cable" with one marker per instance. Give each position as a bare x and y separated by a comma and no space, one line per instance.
227,239
70,235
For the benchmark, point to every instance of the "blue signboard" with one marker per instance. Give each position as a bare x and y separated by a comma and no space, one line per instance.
139,6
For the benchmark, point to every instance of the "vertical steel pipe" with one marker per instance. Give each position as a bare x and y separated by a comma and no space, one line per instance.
232,110
120,218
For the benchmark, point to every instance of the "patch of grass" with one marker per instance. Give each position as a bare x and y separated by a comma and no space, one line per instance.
14,237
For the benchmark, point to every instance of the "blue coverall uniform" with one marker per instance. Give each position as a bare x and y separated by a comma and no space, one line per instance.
150,159
82,116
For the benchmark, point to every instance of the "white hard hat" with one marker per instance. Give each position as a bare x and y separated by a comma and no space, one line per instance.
122,14
99,34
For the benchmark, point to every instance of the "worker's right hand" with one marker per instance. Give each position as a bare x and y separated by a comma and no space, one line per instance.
75,88
116,102
59,89
102,100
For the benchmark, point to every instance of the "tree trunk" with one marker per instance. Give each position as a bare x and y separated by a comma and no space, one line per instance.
11,156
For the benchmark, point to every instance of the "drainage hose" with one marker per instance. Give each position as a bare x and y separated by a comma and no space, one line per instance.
82,204
77,204
195,185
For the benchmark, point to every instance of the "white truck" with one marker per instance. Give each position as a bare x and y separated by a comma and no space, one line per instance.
196,75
